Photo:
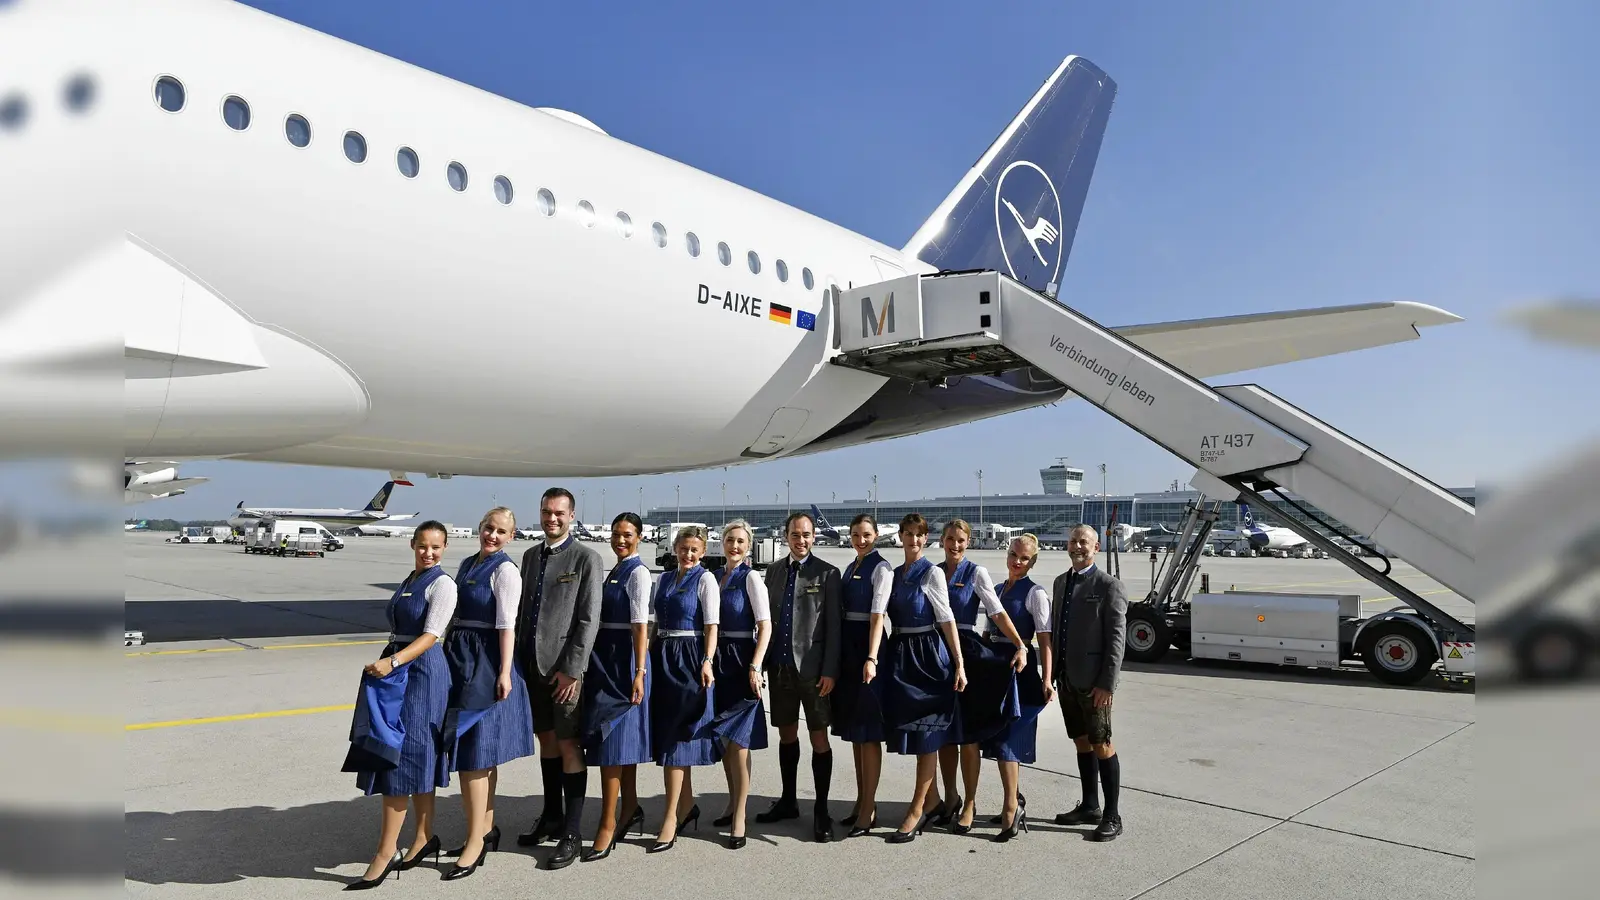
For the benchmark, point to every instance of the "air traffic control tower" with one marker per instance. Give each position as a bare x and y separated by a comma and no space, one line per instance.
1062,479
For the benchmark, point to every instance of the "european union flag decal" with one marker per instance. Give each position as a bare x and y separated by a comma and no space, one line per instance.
805,320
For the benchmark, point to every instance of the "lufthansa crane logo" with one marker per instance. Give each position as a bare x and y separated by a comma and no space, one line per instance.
1027,218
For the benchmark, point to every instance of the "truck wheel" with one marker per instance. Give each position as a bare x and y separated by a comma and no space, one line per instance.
1147,637
1553,650
1397,652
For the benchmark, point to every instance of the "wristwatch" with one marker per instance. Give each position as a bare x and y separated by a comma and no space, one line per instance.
754,667
873,660
710,659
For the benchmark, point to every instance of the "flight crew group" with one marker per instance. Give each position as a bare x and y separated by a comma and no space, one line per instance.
478,665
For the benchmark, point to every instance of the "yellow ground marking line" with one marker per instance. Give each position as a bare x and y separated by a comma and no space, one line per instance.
241,717
237,649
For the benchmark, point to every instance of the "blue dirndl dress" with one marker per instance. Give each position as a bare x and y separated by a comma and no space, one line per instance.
409,757
919,691
740,715
681,710
615,731
989,702
1015,742
857,706
486,733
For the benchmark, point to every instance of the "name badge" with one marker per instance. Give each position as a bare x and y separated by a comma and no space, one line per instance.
566,578
613,581
956,584
472,581
406,594
814,589
855,577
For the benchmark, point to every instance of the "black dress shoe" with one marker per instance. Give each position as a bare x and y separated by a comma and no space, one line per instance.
543,830
362,884
1018,823
864,830
1079,816
822,829
491,841
778,811
850,820
946,812
431,848
593,855
906,837
736,842
997,818
566,852
1109,828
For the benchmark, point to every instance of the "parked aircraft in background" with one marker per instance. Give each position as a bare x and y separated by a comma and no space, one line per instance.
141,525
371,514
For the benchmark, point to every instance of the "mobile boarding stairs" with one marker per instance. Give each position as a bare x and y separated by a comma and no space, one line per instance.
1244,442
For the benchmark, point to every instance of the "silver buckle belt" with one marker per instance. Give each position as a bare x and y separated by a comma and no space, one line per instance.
736,634
405,638
675,632
919,629
971,628
472,623
857,617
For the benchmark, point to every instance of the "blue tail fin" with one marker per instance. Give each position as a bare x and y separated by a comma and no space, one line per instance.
819,519
380,499
1246,517
1017,210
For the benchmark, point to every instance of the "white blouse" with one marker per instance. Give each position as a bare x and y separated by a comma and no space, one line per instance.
638,591
441,600
755,590
506,585
882,586
710,596
1037,604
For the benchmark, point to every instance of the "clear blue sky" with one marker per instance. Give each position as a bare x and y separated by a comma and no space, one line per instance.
1260,156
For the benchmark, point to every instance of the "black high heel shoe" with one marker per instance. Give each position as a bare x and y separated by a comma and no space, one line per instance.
432,846
492,839
737,841
955,823
636,819
1022,803
866,829
947,812
693,819
362,884
1019,822
850,820
906,837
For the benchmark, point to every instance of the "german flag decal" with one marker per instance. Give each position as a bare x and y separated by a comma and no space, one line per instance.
777,312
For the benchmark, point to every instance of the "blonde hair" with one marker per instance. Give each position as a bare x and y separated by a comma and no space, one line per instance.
739,525
1031,541
954,524
696,532
498,511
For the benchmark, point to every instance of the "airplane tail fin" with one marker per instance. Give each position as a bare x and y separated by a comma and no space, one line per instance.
1246,516
1016,211
820,519
380,499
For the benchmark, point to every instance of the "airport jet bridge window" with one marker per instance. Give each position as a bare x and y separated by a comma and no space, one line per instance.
806,279
691,242
624,224
169,93
547,202
586,213
297,130
457,174
355,147
658,232
406,159
754,259
783,270
724,255
13,112
502,189
236,113
80,93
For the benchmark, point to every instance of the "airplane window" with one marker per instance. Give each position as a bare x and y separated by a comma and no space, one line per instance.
80,93
13,112
297,130
724,255
586,213
547,202
406,159
755,262
457,173
236,113
502,189
624,224
692,242
806,279
783,270
169,93
659,232
355,147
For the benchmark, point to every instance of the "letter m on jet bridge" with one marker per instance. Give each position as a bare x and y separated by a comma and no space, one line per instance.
875,322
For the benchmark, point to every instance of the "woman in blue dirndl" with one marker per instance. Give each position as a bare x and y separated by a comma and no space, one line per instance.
865,588
616,690
1028,605
990,701
743,629
406,764
490,716
922,673
682,708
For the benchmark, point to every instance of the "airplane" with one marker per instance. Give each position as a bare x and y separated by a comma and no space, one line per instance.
371,514
265,212
149,480
589,532
1261,538
825,532
141,525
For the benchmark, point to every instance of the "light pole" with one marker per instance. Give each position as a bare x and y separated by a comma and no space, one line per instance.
874,498
786,501
980,496
583,500
1105,517
641,505
677,491
724,503
603,513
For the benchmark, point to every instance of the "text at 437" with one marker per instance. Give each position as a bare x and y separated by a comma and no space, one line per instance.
1216,441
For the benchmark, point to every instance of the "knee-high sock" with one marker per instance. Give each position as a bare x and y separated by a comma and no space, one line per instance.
788,765
822,774
554,809
575,785
1111,775
1089,772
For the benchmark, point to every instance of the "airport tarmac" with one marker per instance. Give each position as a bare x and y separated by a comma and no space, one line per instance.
1238,781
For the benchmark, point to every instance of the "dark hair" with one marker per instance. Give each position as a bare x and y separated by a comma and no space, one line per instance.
798,515
559,492
864,517
914,523
631,519
431,525
956,525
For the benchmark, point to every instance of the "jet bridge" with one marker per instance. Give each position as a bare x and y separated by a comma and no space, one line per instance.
1243,440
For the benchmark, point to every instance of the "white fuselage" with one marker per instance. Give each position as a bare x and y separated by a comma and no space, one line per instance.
591,353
